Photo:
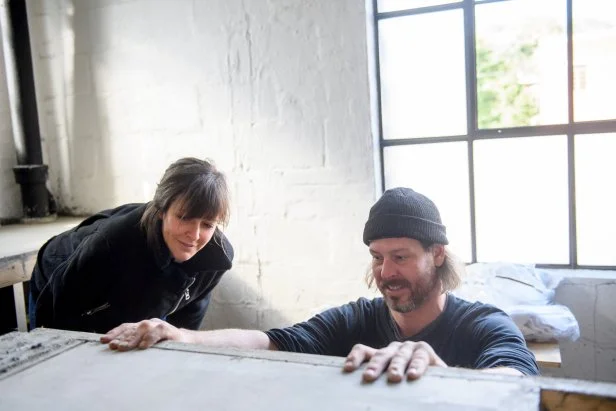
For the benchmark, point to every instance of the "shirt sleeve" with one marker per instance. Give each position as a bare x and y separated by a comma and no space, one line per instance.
501,344
331,332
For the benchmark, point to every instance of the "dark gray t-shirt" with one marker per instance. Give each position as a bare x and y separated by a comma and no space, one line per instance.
469,335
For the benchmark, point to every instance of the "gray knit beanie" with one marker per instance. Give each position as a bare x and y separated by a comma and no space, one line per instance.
402,212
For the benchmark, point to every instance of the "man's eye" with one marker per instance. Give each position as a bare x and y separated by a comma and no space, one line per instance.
376,258
400,258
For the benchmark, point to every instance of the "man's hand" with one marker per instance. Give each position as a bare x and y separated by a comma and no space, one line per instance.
142,335
398,358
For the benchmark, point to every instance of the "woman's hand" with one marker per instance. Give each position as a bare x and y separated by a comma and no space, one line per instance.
143,334
397,359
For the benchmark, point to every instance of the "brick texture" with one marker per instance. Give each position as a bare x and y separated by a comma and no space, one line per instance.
275,92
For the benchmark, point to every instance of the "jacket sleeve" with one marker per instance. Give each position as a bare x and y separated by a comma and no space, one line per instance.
78,284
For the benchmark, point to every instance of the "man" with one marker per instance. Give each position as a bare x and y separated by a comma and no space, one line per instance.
417,323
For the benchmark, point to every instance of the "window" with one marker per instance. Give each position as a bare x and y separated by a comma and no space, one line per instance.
502,112
579,78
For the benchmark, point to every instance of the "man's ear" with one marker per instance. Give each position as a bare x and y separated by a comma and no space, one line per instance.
438,253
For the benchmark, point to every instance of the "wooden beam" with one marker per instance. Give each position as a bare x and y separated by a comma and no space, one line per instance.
546,354
564,401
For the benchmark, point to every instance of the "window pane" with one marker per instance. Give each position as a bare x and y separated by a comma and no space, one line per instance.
594,59
521,63
394,5
415,167
595,170
521,200
423,91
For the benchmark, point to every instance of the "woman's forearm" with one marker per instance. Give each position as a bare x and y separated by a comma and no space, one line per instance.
234,338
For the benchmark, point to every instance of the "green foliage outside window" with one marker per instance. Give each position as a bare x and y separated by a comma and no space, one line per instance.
502,99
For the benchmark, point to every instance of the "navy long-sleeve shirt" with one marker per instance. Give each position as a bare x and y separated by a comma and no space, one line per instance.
469,335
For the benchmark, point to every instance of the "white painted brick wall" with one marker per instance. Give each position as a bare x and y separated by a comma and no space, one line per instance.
276,92
10,200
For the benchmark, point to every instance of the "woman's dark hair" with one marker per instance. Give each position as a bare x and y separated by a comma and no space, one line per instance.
198,185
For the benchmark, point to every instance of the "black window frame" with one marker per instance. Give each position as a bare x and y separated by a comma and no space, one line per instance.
474,133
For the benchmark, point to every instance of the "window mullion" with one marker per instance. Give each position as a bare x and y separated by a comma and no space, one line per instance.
571,140
471,113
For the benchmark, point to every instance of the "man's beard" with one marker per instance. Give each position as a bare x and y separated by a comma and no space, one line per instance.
419,292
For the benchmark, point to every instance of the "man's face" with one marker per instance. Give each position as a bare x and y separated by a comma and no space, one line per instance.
404,272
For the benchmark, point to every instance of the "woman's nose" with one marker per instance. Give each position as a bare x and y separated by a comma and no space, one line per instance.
193,230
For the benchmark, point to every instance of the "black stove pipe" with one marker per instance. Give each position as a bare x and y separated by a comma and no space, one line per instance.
30,171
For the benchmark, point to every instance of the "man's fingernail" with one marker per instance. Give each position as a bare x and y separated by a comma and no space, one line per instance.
412,370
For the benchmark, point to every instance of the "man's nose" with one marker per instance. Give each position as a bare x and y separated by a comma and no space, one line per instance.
387,269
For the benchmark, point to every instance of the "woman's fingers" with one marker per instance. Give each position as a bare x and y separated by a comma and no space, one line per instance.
143,334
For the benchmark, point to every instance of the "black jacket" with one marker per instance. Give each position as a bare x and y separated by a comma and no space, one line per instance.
103,273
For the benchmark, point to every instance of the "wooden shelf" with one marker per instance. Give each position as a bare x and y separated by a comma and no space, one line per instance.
546,354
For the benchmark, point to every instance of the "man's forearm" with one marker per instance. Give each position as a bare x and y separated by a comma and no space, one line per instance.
235,338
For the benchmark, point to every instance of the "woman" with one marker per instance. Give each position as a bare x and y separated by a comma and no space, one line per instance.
161,259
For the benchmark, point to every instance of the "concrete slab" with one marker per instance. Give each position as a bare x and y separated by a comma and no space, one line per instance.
90,376
84,374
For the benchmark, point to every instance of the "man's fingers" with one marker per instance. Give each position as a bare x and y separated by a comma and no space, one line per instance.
399,363
379,361
423,356
418,364
358,355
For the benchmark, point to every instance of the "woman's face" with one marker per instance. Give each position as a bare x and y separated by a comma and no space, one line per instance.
185,237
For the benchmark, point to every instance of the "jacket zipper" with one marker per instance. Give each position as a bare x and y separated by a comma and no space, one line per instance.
97,309
184,296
